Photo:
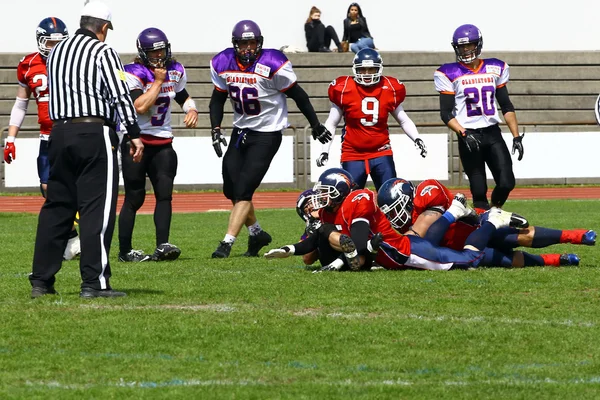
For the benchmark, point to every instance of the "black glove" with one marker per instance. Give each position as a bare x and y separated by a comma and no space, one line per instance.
421,145
312,226
322,160
470,141
217,139
518,146
321,133
375,242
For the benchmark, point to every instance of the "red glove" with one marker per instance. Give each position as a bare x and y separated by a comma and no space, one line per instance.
9,153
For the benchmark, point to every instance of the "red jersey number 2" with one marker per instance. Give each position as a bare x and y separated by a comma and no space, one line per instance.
370,108
41,88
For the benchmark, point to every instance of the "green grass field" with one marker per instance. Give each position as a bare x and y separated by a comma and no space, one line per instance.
252,328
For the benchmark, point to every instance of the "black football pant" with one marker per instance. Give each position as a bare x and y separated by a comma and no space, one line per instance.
160,164
83,176
493,152
247,161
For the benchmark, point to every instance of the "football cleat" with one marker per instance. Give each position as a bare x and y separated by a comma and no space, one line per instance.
349,250
133,256
501,219
39,291
569,259
166,252
223,250
589,238
257,242
73,248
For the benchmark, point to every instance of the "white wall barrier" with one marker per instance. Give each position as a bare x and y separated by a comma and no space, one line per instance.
547,155
198,163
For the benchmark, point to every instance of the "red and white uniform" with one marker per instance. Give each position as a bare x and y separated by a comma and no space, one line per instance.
431,194
366,110
32,74
361,205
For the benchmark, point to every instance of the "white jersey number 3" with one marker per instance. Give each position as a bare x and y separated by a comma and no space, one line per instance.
370,107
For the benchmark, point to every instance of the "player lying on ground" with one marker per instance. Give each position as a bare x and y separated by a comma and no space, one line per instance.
358,219
423,208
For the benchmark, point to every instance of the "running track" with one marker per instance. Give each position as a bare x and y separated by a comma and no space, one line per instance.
201,202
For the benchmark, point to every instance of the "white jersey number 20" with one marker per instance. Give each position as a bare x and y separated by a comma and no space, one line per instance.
370,107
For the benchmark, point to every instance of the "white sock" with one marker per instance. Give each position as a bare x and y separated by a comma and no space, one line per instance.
254,229
229,239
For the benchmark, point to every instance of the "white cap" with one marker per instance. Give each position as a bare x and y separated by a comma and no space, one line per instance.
99,10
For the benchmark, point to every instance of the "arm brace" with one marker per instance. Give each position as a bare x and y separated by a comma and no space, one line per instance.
447,103
298,94
503,100
216,107
17,114
334,118
407,124
359,231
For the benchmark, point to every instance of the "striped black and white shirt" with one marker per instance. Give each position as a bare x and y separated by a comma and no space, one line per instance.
86,79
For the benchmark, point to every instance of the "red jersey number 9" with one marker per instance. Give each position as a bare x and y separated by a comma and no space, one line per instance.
41,89
370,107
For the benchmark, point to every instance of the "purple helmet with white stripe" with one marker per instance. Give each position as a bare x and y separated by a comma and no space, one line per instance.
151,39
304,204
245,31
466,34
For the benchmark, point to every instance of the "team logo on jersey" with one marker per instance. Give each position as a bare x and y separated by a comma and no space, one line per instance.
493,69
262,70
332,83
428,189
361,196
174,76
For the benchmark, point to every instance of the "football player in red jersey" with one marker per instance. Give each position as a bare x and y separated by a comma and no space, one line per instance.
365,102
33,79
423,207
353,219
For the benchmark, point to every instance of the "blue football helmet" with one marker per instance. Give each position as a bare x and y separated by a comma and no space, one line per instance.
333,186
367,58
304,204
50,29
395,199
466,34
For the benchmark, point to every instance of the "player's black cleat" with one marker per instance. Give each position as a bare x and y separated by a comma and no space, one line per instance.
166,252
257,242
349,249
134,256
223,250
39,291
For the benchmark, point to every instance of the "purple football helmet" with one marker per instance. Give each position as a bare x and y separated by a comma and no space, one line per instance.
465,34
154,39
50,29
242,31
304,205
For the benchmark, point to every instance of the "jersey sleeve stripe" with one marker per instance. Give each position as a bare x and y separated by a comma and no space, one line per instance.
499,86
361,220
220,90
444,92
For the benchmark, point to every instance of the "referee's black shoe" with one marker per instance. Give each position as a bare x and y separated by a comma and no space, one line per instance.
39,291
257,242
223,250
90,293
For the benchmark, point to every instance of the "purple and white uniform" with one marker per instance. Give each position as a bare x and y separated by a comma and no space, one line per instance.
256,92
474,90
157,121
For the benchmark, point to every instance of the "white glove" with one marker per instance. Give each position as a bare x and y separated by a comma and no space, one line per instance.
335,265
322,159
282,252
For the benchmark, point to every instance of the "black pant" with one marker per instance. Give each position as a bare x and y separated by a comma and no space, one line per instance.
160,163
84,177
493,152
322,37
247,161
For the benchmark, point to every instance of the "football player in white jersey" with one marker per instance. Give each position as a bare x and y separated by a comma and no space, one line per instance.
257,81
469,89
155,79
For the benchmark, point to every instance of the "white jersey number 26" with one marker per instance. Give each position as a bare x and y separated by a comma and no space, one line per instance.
370,107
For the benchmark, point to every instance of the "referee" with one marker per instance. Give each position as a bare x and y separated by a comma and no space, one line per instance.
88,95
